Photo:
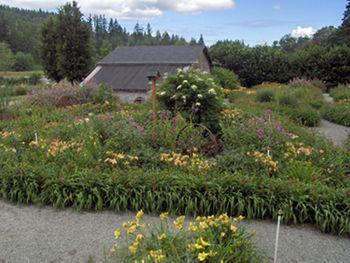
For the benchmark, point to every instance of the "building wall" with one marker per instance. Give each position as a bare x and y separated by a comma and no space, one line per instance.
130,97
203,63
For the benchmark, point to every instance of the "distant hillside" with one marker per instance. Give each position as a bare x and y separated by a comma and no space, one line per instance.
20,29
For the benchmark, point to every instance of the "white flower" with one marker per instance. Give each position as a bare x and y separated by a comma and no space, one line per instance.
162,93
212,91
185,81
200,96
173,97
198,104
184,97
193,87
179,87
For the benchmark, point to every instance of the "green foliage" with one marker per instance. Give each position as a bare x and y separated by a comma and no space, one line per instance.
255,65
341,92
306,116
65,49
74,58
337,113
49,48
287,99
265,95
6,56
23,62
225,78
194,95
102,154
223,239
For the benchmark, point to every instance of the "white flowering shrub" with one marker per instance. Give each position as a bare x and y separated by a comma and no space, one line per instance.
194,94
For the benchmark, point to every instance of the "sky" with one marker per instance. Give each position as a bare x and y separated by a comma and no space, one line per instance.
256,22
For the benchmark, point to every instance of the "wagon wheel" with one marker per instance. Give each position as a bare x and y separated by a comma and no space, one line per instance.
199,137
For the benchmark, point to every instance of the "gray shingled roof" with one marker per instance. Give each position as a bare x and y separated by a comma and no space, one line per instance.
154,54
126,68
131,77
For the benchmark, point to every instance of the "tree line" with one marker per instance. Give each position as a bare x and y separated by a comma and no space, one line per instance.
325,55
21,36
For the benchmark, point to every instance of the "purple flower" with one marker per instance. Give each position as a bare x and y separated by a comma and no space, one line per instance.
174,120
260,133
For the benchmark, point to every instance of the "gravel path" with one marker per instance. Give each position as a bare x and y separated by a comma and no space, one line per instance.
336,133
328,97
43,234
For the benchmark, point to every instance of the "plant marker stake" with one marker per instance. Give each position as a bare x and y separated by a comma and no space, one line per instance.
36,137
277,234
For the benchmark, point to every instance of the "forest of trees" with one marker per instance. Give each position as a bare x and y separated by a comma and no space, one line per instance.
20,36
325,55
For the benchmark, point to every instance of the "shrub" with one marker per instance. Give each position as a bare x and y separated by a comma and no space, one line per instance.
265,95
208,239
287,99
194,95
227,79
305,115
20,90
65,94
341,92
23,62
337,113
307,83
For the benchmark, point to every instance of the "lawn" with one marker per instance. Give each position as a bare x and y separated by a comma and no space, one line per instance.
93,152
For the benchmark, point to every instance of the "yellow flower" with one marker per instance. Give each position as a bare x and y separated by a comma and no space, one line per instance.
114,248
203,225
191,247
233,228
157,255
163,216
212,253
139,215
131,230
139,238
117,233
133,248
202,242
178,223
202,256
193,227
238,219
162,236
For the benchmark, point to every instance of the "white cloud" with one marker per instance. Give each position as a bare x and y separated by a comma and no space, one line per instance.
130,9
303,32
276,7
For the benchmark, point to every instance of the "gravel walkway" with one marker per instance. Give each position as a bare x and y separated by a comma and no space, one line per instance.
43,234
336,133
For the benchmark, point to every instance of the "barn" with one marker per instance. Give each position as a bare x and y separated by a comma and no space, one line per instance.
125,69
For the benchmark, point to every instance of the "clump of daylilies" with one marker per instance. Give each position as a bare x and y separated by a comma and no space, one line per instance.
193,161
266,160
120,159
205,239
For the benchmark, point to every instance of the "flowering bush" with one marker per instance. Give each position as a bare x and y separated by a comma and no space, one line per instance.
206,239
65,94
194,95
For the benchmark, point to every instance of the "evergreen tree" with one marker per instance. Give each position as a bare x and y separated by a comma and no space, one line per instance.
346,18
201,40
49,49
344,29
73,39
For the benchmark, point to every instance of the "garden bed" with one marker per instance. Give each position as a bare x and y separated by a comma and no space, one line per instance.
108,155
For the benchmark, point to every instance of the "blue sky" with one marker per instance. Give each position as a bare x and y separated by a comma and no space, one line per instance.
254,21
